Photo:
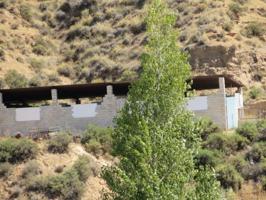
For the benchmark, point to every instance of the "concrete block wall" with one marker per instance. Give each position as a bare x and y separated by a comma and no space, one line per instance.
58,117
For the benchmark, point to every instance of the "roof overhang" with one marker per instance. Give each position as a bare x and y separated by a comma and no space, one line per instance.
92,90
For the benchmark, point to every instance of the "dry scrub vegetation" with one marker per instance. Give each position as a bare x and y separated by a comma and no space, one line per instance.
52,42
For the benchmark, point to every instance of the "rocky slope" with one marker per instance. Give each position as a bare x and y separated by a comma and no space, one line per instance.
64,41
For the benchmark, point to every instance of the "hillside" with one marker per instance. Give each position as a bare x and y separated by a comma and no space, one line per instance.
52,42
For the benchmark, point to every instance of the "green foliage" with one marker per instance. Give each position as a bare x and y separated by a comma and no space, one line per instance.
263,182
207,128
208,157
68,185
239,163
97,140
229,177
42,47
14,79
17,150
82,166
26,12
254,29
248,130
64,71
59,143
36,64
255,92
5,169
227,143
235,10
258,152
155,137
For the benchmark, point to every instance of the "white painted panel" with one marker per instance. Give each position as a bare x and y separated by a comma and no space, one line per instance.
239,100
28,114
84,110
198,103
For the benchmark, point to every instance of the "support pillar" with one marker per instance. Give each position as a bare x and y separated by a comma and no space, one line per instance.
54,97
1,102
222,85
109,90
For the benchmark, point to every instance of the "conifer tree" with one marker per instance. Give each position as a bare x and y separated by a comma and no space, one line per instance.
155,138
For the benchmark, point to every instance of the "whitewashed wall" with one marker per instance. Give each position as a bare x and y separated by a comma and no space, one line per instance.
198,103
84,110
28,114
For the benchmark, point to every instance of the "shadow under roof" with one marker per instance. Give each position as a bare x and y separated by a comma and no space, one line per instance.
92,90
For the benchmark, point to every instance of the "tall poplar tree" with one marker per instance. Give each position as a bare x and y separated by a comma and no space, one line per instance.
155,138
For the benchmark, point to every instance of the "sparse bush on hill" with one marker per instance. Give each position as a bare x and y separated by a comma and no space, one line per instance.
26,12
254,29
17,150
42,47
14,79
59,143
239,163
255,92
36,64
4,3
5,169
65,71
68,185
229,177
248,130
235,10
2,83
97,140
2,54
263,181
31,170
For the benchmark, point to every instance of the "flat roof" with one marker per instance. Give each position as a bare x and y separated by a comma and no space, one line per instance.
92,90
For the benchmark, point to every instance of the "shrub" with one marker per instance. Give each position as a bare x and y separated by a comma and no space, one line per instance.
261,126
248,130
257,153
251,172
254,29
97,139
239,163
17,150
226,143
59,143
263,183
2,54
5,170
229,177
31,169
207,157
53,78
68,185
64,71
4,3
2,83
235,9
82,166
207,127
14,79
42,47
25,12
36,64
255,93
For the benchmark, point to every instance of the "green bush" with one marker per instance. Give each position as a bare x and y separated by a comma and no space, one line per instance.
31,169
17,150
82,167
254,29
59,143
239,163
235,8
207,157
5,169
255,92
229,177
68,185
42,47
248,130
257,153
263,183
36,64
97,139
207,128
261,126
14,79
227,143
64,71
25,12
